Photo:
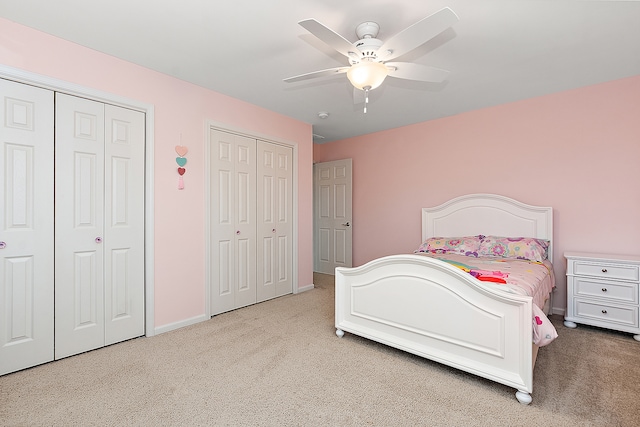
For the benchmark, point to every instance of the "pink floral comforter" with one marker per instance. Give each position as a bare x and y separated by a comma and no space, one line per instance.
517,276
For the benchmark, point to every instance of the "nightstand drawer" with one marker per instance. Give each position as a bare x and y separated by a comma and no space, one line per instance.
621,315
623,272
604,289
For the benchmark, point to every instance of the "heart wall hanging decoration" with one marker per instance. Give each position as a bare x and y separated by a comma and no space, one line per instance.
181,150
181,160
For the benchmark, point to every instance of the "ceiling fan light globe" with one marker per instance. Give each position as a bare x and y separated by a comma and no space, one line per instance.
367,73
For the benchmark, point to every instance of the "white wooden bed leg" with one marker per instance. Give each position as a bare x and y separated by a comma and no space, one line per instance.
339,333
523,397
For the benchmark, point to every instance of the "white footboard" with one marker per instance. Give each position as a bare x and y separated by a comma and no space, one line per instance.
435,310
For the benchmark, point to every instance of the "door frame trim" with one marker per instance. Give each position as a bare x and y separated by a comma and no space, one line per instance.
57,85
213,125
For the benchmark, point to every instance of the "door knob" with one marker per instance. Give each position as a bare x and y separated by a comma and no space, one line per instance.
347,224
3,245
98,239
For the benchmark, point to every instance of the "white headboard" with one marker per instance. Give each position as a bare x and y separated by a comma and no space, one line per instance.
488,214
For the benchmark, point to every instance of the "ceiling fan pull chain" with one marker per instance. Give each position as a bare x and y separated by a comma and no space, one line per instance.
366,98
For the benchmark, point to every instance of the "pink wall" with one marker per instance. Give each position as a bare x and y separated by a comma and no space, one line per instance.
180,109
577,151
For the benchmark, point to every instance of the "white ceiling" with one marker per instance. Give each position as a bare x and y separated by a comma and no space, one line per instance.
500,51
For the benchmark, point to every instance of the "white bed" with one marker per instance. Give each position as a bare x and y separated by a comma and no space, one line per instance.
433,309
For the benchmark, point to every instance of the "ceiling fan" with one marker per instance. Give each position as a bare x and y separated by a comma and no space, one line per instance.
369,56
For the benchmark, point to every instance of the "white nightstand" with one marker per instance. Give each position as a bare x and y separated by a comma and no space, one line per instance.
602,290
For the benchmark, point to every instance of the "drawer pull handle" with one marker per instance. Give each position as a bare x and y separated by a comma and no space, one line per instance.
604,270
604,311
604,289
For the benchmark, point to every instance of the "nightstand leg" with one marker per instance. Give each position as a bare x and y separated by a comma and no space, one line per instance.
570,324
636,337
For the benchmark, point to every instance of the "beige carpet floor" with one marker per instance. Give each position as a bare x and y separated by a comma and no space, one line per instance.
279,363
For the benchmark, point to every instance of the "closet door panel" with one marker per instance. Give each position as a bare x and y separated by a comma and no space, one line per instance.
222,223
26,226
79,230
233,221
267,221
124,224
244,199
284,171
267,281
275,227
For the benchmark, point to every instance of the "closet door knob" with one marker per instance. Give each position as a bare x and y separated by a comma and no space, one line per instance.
238,232
3,245
273,230
98,239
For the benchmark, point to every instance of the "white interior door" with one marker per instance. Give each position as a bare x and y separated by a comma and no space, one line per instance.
79,225
332,215
275,225
233,221
26,226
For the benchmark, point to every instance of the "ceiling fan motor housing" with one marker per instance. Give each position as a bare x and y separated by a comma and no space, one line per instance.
368,49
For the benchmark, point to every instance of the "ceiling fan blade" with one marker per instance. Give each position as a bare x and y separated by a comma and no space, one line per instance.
330,37
317,74
417,34
410,71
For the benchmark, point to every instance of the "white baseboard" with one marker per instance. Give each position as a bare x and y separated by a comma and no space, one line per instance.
305,288
202,318
180,324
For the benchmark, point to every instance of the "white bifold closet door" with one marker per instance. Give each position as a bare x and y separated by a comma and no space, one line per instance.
26,226
71,239
99,225
251,241
275,225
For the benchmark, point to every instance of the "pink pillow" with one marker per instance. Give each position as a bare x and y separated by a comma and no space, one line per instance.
459,245
514,247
